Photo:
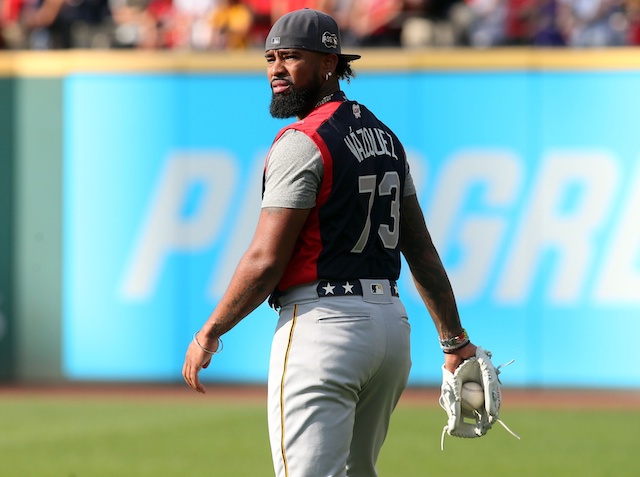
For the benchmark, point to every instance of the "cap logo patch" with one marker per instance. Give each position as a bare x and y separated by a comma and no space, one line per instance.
330,40
275,40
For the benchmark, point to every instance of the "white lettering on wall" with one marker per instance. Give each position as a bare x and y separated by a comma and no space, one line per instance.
569,231
563,231
619,282
480,234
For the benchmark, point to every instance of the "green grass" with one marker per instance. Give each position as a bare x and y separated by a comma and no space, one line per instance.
133,437
554,444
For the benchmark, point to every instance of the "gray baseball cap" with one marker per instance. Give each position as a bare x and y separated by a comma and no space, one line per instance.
306,29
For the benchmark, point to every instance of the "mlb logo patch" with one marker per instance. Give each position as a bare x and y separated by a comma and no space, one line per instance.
376,289
275,40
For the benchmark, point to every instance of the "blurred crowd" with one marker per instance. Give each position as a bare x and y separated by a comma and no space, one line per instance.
243,24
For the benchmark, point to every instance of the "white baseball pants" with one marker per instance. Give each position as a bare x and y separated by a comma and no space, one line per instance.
338,367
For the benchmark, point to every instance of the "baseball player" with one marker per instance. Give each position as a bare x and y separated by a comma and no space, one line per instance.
339,207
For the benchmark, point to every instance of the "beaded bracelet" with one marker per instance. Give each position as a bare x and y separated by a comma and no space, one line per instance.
220,345
452,344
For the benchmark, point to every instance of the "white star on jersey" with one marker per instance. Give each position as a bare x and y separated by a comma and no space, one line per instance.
328,289
348,288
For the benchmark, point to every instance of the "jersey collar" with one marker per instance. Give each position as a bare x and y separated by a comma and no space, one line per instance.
336,96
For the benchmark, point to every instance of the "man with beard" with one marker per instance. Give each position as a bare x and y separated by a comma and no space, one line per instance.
338,208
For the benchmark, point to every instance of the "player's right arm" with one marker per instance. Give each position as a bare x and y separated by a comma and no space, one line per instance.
430,277
255,277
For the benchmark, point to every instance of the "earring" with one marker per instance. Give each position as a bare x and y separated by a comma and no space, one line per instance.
327,76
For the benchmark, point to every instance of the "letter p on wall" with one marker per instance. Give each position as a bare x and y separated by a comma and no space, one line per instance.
168,226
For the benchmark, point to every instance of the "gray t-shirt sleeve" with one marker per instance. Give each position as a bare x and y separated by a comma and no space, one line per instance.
294,172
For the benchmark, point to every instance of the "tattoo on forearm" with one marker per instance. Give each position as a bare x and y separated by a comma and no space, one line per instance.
430,275
239,307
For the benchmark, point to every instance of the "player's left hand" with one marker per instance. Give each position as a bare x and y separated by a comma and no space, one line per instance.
453,359
462,422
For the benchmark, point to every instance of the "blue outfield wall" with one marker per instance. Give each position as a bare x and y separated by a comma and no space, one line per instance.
530,182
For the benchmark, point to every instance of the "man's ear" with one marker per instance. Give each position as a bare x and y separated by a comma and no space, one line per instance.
329,63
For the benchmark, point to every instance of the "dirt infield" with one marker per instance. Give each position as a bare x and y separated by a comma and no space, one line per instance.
517,397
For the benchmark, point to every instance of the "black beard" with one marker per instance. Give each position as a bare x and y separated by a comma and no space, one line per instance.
295,103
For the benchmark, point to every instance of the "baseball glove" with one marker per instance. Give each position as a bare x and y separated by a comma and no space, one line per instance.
463,421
